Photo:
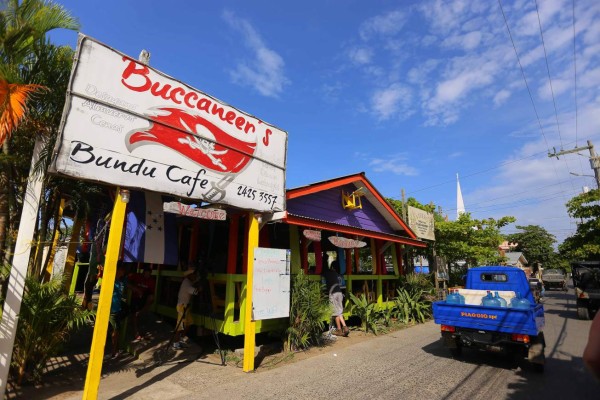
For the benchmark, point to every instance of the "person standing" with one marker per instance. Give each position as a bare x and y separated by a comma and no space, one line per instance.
333,284
184,312
118,308
142,288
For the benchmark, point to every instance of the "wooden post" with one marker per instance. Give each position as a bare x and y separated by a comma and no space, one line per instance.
295,247
232,247
249,324
92,379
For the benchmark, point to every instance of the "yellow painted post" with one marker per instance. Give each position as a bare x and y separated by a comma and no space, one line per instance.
92,379
74,278
249,324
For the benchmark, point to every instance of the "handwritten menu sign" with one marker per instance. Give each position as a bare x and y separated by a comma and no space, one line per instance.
271,284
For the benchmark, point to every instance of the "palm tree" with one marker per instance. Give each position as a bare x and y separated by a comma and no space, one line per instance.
23,28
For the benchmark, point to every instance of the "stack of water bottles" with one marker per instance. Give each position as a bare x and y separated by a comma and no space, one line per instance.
454,297
497,301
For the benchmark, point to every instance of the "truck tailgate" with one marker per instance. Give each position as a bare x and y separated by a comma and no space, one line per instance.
508,320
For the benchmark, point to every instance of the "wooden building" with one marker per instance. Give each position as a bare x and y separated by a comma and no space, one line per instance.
345,217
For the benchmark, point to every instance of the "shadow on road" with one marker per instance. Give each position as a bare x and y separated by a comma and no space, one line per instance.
561,376
474,356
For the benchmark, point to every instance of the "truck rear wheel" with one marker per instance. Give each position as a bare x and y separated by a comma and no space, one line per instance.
537,367
536,355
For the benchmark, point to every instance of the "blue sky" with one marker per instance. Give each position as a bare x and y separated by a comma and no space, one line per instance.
411,93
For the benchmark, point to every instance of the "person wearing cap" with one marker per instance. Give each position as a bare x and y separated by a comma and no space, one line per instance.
333,283
142,295
184,312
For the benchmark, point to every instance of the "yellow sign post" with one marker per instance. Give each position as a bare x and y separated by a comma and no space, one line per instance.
249,324
92,379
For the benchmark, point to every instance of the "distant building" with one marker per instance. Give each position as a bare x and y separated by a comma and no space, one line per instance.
517,259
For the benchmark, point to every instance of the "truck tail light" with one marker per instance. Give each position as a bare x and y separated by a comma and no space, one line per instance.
517,337
448,328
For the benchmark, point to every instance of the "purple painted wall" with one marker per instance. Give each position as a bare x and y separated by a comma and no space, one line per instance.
327,206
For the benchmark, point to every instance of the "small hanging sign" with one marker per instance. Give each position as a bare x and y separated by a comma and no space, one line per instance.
176,207
312,235
346,243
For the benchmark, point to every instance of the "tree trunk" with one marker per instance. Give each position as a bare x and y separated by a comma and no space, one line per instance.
4,208
45,211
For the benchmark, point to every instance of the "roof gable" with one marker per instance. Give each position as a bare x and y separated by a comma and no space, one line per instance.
323,201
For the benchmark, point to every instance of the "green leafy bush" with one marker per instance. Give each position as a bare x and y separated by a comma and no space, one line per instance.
366,311
48,315
309,307
415,295
412,306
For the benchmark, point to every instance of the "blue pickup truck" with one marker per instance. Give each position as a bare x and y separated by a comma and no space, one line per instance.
512,324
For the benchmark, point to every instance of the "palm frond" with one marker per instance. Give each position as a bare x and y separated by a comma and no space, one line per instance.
13,99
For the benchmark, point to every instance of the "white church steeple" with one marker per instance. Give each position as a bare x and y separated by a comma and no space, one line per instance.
460,204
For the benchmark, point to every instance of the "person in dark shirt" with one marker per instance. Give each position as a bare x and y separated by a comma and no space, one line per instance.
118,308
142,295
333,283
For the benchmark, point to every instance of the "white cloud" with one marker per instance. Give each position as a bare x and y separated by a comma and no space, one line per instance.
360,55
392,101
501,97
395,164
265,70
468,41
444,16
383,25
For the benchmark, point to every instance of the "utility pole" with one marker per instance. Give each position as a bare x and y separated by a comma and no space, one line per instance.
594,159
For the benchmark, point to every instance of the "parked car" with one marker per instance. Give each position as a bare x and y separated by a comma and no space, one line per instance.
554,279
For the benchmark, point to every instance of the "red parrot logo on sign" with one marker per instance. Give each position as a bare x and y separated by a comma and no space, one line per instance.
195,138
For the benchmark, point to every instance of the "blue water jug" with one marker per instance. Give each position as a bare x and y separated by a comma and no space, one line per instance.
490,301
501,300
461,297
520,302
452,297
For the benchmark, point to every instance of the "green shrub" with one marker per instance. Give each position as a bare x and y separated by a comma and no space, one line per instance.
366,311
309,307
47,317
412,306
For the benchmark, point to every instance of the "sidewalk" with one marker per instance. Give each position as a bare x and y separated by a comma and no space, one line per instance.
158,371
65,375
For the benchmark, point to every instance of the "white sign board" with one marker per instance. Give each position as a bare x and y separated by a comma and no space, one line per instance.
421,222
271,284
127,124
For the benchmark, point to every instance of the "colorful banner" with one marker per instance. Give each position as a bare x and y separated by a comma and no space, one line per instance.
150,234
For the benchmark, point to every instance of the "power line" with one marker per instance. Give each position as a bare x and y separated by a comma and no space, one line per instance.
575,73
523,74
521,202
548,69
478,172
